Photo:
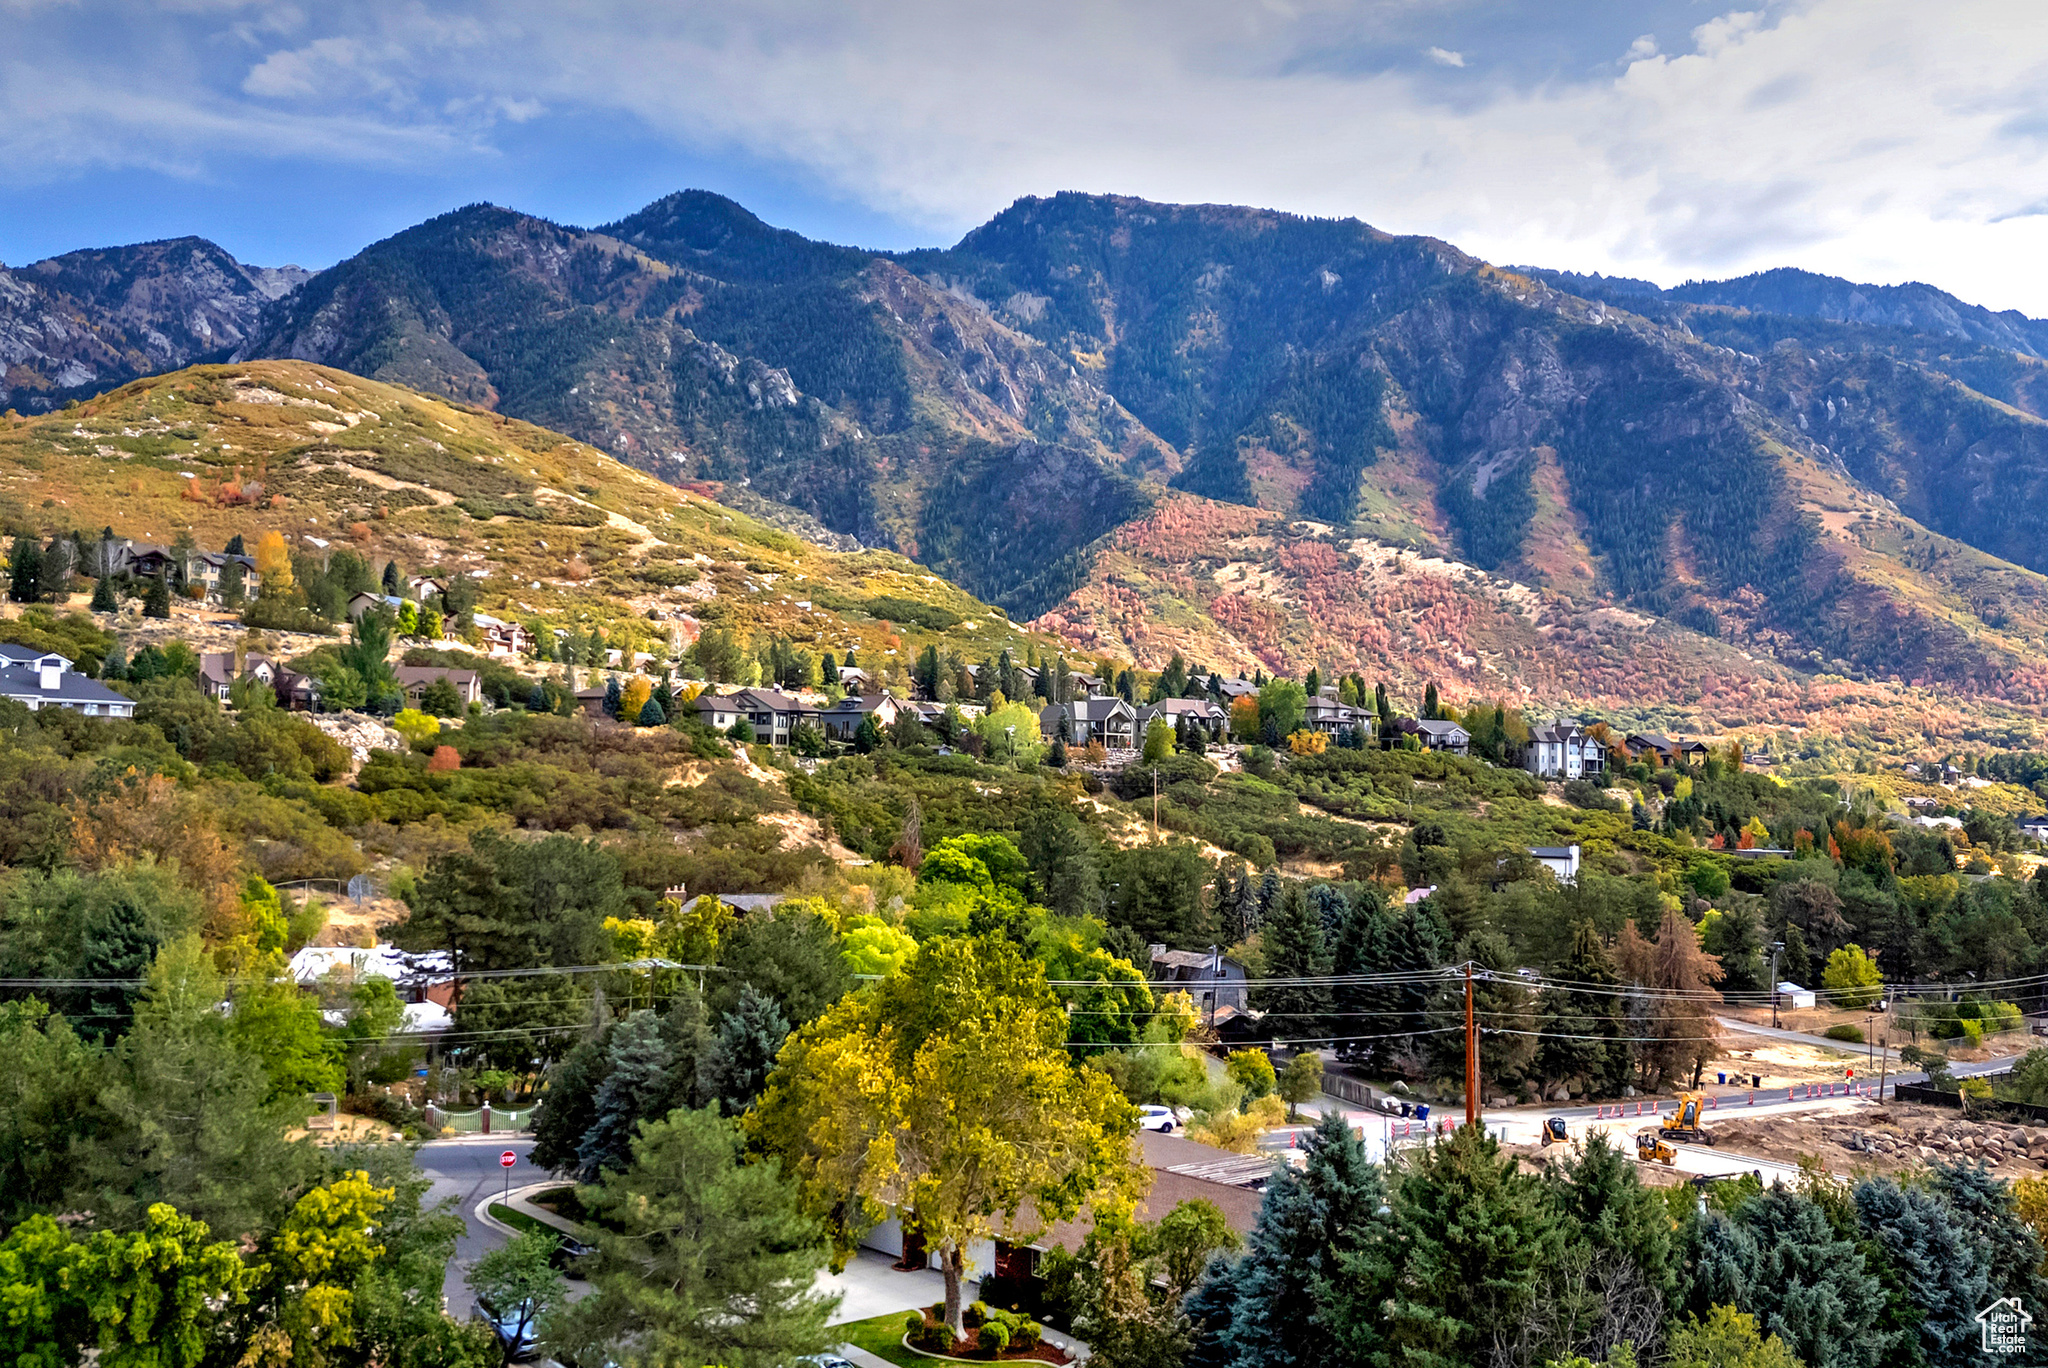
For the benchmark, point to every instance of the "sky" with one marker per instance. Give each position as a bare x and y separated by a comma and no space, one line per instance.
1883,140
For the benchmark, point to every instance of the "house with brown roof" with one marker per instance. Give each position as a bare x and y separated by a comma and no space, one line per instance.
1205,713
772,715
843,719
413,680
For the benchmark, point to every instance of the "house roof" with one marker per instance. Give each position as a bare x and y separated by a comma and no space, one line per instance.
25,655
1206,708
1554,852
1436,726
427,674
1182,1170
25,681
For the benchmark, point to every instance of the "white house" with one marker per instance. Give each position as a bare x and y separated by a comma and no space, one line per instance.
1560,750
1563,861
45,679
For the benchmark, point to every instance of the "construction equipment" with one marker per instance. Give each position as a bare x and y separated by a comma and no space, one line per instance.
1650,1148
1683,1125
1554,1131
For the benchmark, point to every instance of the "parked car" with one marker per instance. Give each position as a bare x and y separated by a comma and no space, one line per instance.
1159,1119
517,1329
569,1254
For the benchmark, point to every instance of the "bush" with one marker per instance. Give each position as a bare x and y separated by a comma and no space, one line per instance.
1586,794
1846,1032
995,1338
975,1316
1852,978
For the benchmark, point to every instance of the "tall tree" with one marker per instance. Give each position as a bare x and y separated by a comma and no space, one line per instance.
1295,948
24,567
948,1095
636,1080
1679,1013
701,1258
1583,1022
742,1053
790,955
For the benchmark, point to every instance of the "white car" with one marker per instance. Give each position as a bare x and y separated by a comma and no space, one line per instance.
1157,1119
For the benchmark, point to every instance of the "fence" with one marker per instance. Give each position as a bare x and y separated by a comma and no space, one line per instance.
1935,1097
484,1120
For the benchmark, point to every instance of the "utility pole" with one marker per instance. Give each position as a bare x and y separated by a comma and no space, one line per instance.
1884,1059
1155,802
1471,1055
1776,946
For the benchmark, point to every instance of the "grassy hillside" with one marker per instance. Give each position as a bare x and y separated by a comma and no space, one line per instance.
546,527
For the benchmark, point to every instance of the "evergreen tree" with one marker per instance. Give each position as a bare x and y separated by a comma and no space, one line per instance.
156,600
1986,1208
1299,1296
1570,1014
394,582
1479,1239
613,694
736,1066
1806,1284
1269,892
637,1062
1332,910
116,666
571,1107
1295,948
701,1258
24,565
1432,706
1313,684
652,714
1365,945
234,584
1619,1268
867,738
103,600
1381,705
53,575
1939,1276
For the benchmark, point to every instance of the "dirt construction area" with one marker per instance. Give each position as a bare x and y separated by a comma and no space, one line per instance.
1898,1135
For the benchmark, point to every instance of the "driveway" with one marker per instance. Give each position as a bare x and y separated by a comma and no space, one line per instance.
466,1170
871,1286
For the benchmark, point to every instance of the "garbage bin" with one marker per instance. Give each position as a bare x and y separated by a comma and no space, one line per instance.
1756,1080
1406,1110
1720,1076
1422,1111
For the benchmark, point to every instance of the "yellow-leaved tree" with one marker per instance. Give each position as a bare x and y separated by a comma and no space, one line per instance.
946,1096
273,564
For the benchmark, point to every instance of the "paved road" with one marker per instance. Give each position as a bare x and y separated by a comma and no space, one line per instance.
466,1170
1818,1042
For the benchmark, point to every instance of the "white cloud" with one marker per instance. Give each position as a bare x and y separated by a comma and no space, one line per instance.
1880,139
1444,57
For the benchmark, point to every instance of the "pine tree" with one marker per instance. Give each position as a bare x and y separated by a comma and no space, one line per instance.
1479,1238
1432,706
1622,1268
1295,948
1987,1210
637,1066
572,1103
53,575
1269,892
103,600
394,582
1940,1278
156,600
1304,1266
1365,945
736,1066
652,714
1332,909
24,564
1809,1285
614,695
867,738
1313,685
1567,1013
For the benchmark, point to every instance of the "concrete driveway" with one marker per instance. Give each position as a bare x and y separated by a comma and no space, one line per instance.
871,1286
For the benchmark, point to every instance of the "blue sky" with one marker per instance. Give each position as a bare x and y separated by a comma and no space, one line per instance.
1878,139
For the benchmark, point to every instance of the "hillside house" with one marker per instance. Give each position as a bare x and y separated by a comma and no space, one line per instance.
1214,980
843,719
771,714
1111,721
1438,735
1660,750
502,638
1562,861
1561,750
1326,714
45,679
413,681
1179,712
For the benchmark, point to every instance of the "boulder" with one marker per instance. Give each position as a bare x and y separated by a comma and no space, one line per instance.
1560,1093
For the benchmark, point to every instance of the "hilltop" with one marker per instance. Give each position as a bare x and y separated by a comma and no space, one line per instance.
546,527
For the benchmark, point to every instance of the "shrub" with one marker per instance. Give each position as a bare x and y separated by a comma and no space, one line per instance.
1586,794
415,726
1973,1030
975,1316
1027,1334
1852,978
1846,1032
1253,1071
995,1338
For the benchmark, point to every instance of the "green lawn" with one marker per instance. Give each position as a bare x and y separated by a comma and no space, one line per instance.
519,1220
883,1337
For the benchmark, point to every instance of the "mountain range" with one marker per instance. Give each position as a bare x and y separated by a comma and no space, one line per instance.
1835,477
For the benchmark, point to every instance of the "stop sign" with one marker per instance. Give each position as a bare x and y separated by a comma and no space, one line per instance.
507,1159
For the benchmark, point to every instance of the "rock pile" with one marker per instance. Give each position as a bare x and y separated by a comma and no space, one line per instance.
1927,1136
359,732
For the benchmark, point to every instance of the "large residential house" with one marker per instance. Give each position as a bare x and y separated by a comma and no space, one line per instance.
1661,750
1214,980
1561,861
1234,689
1560,750
1205,713
502,638
205,567
771,714
220,670
45,679
843,719
414,680
1325,713
1111,721
1438,735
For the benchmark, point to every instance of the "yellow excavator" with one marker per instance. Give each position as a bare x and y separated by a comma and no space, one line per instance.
1683,1125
